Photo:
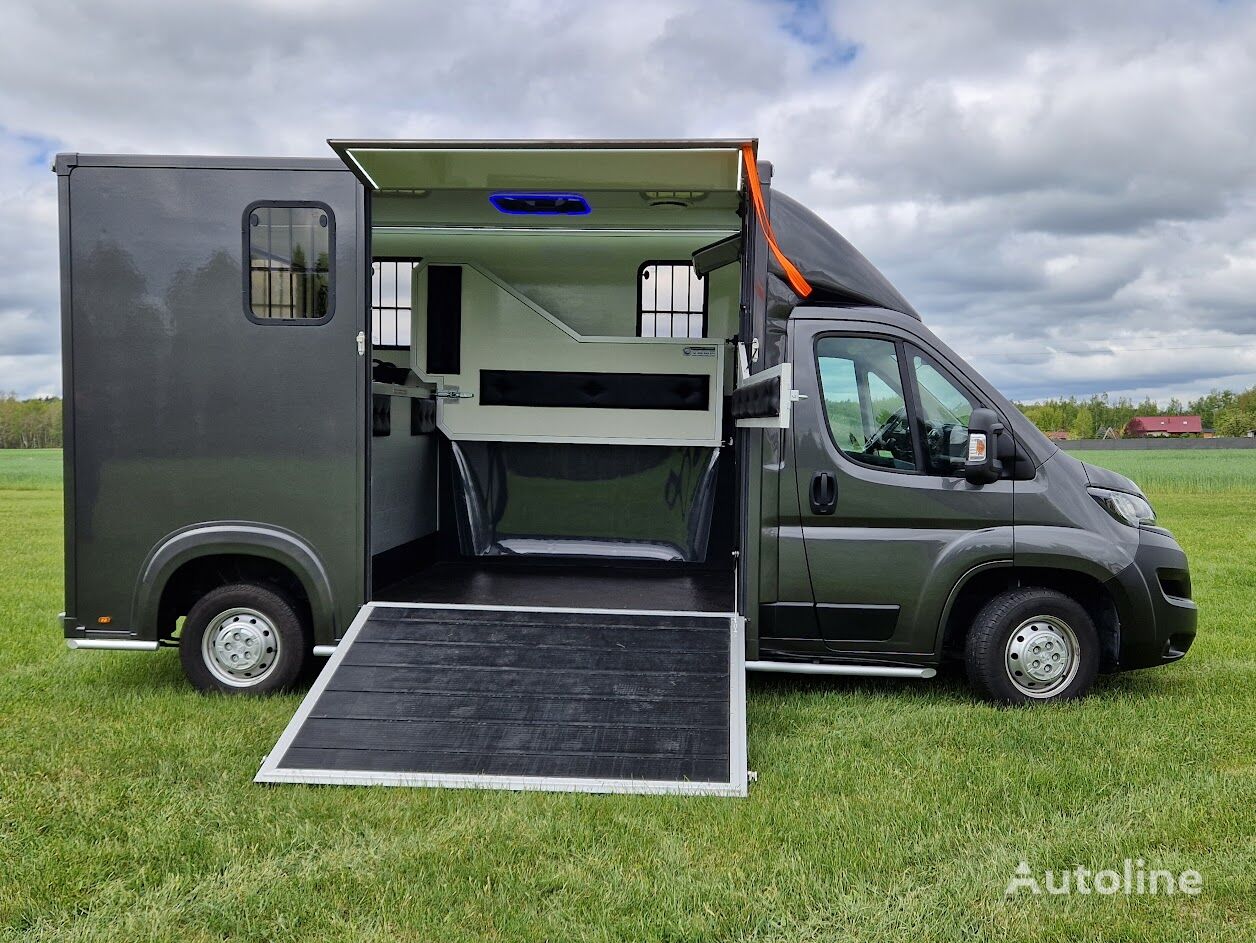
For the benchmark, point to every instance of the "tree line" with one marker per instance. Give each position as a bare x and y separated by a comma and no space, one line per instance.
1225,412
30,423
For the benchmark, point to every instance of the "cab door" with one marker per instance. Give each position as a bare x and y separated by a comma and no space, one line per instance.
884,521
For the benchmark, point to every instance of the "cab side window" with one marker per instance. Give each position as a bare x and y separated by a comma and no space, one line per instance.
944,411
867,412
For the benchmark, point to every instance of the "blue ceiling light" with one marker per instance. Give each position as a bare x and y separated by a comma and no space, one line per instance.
541,204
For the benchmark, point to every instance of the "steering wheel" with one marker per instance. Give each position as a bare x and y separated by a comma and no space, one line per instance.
880,438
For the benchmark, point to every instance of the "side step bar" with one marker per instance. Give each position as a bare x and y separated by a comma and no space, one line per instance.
112,644
854,671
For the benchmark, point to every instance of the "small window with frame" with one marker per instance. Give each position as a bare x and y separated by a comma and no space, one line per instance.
391,308
290,247
671,300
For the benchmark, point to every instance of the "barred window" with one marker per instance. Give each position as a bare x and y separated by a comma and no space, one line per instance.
671,300
390,302
290,249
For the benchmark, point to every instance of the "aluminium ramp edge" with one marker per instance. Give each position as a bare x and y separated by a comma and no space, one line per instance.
368,726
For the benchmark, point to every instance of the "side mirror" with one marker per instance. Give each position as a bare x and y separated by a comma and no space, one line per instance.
981,462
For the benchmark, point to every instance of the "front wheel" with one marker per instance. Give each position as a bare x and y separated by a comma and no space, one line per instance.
243,639
1031,645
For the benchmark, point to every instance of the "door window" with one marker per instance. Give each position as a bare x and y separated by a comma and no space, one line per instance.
290,248
944,413
867,413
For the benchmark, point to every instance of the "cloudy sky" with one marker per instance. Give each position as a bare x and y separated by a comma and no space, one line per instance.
1065,190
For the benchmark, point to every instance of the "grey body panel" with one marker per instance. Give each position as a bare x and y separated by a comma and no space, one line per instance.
181,411
525,698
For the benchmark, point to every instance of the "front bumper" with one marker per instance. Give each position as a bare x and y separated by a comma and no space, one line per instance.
1153,598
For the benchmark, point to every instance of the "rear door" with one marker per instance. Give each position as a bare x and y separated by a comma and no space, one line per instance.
885,521
215,368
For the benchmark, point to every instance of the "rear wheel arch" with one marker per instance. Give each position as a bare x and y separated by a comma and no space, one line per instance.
189,563
982,584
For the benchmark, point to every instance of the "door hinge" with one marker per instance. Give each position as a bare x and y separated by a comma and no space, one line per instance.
361,339
796,397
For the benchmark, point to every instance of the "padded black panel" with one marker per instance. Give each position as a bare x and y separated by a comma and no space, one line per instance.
422,416
595,390
526,693
381,414
760,400
444,319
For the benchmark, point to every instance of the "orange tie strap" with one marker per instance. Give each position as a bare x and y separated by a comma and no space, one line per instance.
796,281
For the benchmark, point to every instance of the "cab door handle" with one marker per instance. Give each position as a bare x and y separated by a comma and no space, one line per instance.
823,493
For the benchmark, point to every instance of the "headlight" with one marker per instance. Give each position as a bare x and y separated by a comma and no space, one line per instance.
1126,508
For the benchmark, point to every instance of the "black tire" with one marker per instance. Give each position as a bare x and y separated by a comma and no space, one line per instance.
990,653
259,622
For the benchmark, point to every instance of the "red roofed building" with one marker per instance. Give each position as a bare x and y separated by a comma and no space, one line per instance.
1141,427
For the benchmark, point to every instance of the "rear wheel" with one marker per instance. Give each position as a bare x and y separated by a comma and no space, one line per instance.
245,638
1031,645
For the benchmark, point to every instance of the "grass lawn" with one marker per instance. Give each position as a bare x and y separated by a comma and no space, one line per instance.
883,810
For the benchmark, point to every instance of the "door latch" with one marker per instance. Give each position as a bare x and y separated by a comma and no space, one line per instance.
361,339
452,394
823,493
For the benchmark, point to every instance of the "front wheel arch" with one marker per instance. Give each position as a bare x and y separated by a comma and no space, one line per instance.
982,584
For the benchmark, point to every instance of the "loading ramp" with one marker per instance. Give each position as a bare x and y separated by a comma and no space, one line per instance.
540,698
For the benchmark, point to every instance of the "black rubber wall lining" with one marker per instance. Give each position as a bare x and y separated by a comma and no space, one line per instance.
594,390
512,693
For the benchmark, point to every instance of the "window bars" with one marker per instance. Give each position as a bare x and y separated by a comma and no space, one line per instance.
390,302
671,300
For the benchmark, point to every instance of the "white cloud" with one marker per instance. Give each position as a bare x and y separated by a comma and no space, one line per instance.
1041,180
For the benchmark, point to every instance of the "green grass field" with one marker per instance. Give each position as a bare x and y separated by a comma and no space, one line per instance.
883,811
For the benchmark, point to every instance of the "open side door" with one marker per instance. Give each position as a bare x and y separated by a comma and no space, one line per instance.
545,166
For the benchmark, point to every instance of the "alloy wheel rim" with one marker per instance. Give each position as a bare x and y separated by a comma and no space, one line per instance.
1042,656
240,647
